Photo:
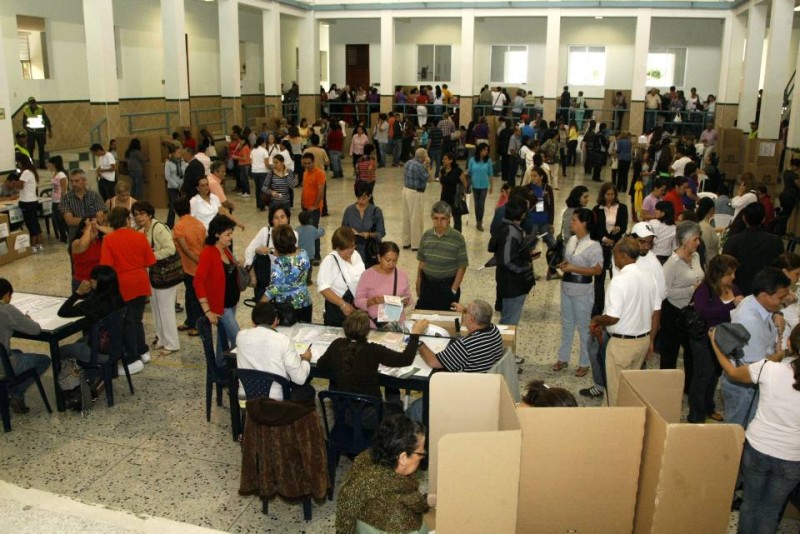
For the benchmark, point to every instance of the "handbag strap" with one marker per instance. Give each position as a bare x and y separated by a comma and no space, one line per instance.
344,279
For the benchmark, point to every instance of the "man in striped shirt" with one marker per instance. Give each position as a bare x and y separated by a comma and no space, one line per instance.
443,260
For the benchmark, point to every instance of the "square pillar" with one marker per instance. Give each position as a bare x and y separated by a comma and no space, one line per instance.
176,77
730,76
271,34
756,29
101,63
641,49
777,70
551,58
387,58
6,124
229,61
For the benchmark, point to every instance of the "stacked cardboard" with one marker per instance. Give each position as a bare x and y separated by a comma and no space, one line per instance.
13,245
730,150
154,148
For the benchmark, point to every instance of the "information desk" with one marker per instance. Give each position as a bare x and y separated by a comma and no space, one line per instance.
44,310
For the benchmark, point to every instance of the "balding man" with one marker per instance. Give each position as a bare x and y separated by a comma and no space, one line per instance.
80,202
631,315
416,175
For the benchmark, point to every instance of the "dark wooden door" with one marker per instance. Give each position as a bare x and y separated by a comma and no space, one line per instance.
357,65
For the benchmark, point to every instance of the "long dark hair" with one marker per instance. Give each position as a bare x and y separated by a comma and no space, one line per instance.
574,198
356,329
794,344
478,150
135,145
668,209
58,163
107,281
719,266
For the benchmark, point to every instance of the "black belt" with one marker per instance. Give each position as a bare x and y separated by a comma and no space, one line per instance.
415,189
623,336
576,278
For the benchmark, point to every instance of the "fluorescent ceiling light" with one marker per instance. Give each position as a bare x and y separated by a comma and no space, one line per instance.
599,18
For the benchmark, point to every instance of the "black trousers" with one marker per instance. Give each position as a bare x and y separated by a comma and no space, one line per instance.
672,339
622,176
37,138
133,330
436,294
705,373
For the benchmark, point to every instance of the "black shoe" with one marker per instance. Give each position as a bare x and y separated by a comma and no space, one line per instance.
315,262
592,393
178,307
406,247
18,405
736,504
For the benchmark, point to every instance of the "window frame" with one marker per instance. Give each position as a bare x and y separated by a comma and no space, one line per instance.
587,48
508,49
433,63
676,64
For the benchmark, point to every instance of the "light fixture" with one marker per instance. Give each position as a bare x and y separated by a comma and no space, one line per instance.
598,18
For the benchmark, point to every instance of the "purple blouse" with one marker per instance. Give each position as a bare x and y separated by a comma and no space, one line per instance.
710,307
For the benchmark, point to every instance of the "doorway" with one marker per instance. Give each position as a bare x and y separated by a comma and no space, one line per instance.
356,66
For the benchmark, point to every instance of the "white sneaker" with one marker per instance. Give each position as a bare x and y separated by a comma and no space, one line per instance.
246,195
239,194
133,368
145,357
40,247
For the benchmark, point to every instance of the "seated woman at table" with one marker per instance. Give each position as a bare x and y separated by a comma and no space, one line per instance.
288,287
84,251
338,277
353,361
281,359
540,395
383,279
380,490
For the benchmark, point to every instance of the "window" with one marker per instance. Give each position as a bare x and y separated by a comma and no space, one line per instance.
32,46
433,63
666,67
586,65
508,64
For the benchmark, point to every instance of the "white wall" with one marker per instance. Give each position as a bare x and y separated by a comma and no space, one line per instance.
250,32
142,43
354,31
702,40
408,34
202,26
66,46
507,31
290,41
616,34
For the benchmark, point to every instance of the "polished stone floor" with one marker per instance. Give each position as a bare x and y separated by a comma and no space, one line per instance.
154,453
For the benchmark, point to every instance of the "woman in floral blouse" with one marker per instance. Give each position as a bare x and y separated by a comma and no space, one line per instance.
289,274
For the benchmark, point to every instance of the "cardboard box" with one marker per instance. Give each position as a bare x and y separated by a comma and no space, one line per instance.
730,138
688,472
730,155
765,174
19,244
731,170
5,226
5,256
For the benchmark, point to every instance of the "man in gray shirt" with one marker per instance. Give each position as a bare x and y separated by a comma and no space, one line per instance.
11,320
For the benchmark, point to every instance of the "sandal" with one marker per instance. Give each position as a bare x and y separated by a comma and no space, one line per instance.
193,332
716,416
559,365
582,371
183,328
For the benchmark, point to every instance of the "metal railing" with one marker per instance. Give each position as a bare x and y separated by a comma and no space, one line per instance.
351,112
199,121
269,109
96,132
133,116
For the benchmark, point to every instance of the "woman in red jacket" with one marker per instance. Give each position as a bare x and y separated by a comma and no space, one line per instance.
215,282
128,252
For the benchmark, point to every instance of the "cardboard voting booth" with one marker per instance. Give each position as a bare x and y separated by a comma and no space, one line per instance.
688,472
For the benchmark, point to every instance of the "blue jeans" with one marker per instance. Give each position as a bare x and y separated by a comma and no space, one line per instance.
436,157
227,330
415,411
768,481
21,362
315,214
172,196
479,198
244,179
512,309
258,179
576,311
336,163
397,148
737,401
193,309
386,148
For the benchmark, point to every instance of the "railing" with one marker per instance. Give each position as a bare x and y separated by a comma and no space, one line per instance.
132,116
789,90
269,109
96,133
290,110
350,112
222,112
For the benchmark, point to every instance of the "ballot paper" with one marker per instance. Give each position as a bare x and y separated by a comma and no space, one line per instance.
391,309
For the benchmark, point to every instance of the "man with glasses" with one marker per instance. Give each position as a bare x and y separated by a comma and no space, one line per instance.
442,260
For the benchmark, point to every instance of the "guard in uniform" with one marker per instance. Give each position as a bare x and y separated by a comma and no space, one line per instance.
36,123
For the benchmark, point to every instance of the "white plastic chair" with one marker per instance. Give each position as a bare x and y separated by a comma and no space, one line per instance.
722,220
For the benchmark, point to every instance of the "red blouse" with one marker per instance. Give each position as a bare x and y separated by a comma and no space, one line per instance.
209,280
84,262
129,253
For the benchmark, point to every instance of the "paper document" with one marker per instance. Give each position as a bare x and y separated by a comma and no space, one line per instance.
391,309
23,241
436,344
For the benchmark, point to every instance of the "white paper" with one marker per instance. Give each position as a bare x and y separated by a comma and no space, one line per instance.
22,242
43,309
3,248
3,230
14,214
766,149
391,309
47,207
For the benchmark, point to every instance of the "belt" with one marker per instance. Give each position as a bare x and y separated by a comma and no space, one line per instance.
415,189
623,336
576,278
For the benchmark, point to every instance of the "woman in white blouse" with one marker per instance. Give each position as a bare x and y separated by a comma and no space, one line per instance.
682,273
745,193
338,277
205,205
262,248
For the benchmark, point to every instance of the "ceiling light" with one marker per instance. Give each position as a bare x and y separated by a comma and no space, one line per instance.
598,18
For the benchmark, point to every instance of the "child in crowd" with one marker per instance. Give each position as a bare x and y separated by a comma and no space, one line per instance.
307,234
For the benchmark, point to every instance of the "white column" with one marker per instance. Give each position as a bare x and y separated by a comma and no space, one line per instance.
730,76
641,48
173,30
552,43
101,60
230,81
777,71
309,55
756,28
387,53
271,32
467,83
793,135
6,124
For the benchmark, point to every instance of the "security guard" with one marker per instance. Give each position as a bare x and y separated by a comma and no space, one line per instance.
35,122
21,144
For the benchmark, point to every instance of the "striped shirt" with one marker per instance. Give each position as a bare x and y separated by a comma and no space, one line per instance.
448,127
435,138
476,352
281,185
443,255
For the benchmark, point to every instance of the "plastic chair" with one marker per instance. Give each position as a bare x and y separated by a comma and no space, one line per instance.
106,363
348,435
259,383
722,221
707,194
11,379
214,374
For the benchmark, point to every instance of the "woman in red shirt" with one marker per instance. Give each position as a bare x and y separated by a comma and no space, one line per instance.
215,283
128,252
85,251
679,185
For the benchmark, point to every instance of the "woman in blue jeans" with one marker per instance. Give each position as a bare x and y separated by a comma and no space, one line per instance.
771,461
480,170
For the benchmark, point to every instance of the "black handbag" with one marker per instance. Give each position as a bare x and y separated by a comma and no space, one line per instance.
167,272
555,255
690,323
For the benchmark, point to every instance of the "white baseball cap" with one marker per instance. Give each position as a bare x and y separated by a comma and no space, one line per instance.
642,229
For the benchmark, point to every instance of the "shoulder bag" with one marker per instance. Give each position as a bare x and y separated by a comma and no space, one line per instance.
167,272
691,323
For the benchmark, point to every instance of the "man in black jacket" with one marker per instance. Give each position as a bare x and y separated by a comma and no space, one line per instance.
754,247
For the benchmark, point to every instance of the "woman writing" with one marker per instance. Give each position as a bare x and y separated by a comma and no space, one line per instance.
383,279
479,170
366,221
451,176
583,259
338,277
380,490
278,184
163,300
714,299
289,275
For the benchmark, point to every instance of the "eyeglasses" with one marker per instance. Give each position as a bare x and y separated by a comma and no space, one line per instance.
422,454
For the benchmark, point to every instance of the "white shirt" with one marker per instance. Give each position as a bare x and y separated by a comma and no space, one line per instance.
329,276
498,100
682,278
287,159
679,165
205,211
650,264
664,243
281,359
739,202
106,161
203,158
271,151
28,192
775,430
257,160
632,297
262,239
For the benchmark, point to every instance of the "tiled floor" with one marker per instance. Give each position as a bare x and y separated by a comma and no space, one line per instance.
154,453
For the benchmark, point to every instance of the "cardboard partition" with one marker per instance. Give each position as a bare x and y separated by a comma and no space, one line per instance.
731,138
5,226
464,403
19,244
688,472
731,170
5,255
154,148
579,469
730,155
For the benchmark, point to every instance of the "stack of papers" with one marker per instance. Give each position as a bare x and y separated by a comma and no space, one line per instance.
391,309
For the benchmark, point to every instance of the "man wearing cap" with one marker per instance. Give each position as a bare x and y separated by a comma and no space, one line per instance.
21,144
36,123
631,315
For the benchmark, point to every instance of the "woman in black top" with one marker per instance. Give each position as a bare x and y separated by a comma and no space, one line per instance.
450,177
607,232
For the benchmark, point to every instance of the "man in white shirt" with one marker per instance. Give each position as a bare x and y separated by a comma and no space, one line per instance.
631,315
498,101
679,165
106,171
263,348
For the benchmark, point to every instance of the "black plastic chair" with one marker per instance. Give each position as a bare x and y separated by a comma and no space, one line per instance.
348,435
215,375
106,363
12,379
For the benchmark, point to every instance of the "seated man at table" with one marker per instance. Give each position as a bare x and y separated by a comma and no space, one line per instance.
263,348
11,320
476,352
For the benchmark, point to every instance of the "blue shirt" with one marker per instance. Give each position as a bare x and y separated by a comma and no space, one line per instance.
307,234
758,322
480,172
527,131
415,175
